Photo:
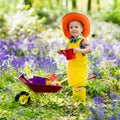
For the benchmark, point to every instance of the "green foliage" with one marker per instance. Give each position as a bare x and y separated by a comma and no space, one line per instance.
101,87
58,106
50,15
6,78
3,26
97,88
28,4
2,21
115,71
113,15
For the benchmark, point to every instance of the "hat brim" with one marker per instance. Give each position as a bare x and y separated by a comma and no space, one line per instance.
75,16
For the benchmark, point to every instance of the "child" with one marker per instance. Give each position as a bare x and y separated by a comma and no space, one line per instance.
76,28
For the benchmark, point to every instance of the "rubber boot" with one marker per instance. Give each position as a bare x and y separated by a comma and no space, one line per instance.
79,94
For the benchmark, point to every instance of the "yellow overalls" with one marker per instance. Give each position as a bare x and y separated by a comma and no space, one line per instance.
78,72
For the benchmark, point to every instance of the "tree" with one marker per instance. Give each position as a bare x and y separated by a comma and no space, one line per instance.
89,6
74,4
98,3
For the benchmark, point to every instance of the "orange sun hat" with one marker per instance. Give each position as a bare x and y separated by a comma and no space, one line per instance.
75,17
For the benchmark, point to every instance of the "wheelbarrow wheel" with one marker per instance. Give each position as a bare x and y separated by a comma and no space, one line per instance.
22,97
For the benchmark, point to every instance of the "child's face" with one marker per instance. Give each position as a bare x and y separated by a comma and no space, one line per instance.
75,28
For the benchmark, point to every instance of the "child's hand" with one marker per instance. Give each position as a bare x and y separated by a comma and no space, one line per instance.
76,50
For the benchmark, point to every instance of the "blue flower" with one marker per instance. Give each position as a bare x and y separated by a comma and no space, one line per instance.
113,104
92,110
118,97
101,114
98,100
18,62
112,118
118,61
32,38
30,46
112,95
118,115
90,118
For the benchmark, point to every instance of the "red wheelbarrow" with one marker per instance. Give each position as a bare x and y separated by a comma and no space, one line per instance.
39,85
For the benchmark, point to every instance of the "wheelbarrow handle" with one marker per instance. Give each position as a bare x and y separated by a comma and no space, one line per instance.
89,78
92,77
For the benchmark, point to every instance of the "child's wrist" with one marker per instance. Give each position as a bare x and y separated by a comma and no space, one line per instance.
77,50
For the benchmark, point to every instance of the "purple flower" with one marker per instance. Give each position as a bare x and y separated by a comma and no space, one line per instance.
2,43
99,59
107,47
110,57
4,56
31,38
92,110
90,118
30,46
118,97
118,61
98,114
98,100
113,104
112,118
101,114
118,115
18,62
90,56
14,119
112,95
48,64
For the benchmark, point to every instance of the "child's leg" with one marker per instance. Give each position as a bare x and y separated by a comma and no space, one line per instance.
79,93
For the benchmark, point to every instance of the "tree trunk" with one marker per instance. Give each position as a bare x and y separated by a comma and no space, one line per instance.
89,6
74,4
98,4
115,3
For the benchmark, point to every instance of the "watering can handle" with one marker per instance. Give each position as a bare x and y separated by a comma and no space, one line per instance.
61,52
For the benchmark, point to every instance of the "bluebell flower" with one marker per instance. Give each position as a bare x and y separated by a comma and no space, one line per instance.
112,95
32,38
21,113
18,62
30,46
98,100
100,114
90,118
112,118
118,61
118,115
113,104
92,110
107,47
90,56
118,97
2,43
14,119
4,56
110,57
48,64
